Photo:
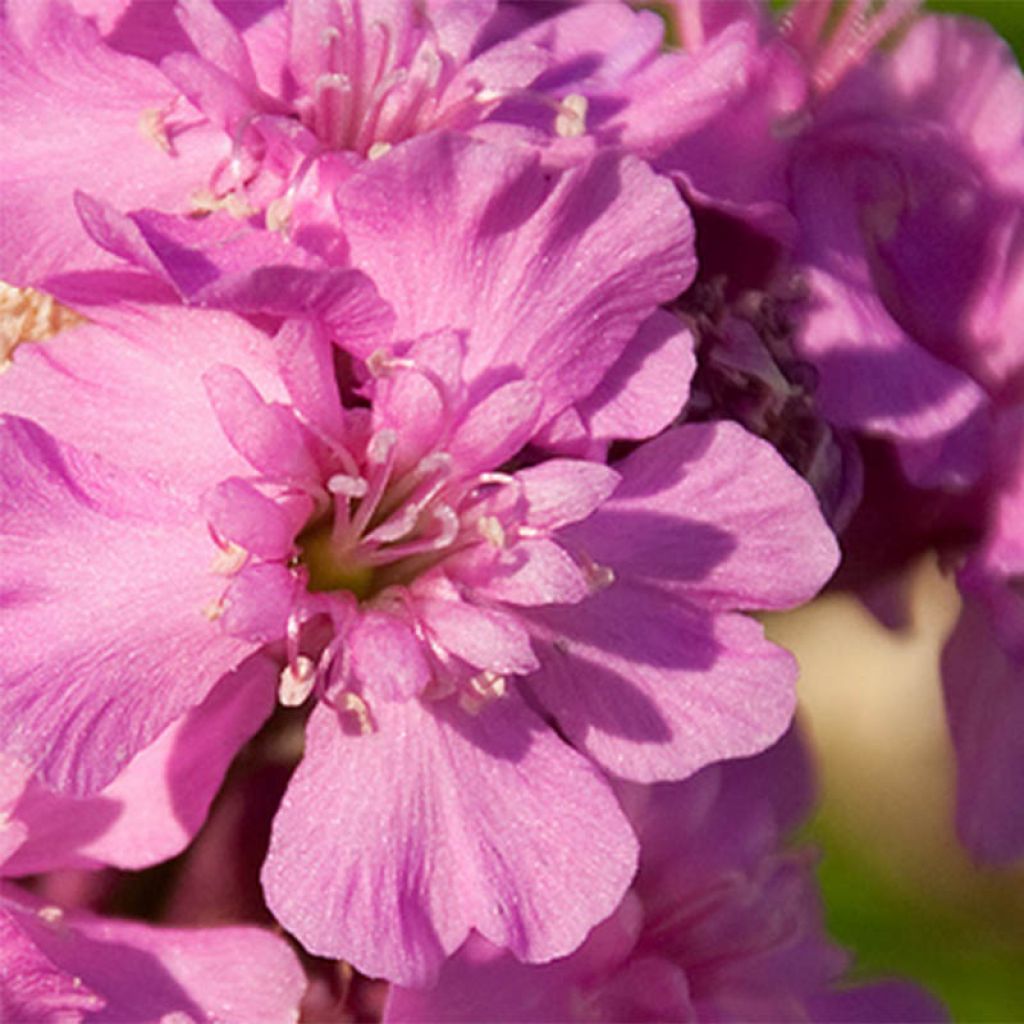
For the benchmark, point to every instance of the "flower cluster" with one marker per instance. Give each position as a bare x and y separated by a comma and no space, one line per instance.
407,404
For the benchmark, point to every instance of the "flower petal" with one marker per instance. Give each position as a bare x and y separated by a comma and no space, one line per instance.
151,811
552,277
390,846
713,512
654,689
80,538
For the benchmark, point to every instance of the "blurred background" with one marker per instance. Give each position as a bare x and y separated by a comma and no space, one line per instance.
899,890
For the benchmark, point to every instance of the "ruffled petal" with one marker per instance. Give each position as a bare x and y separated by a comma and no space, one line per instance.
69,98
130,389
713,512
984,690
391,845
140,973
152,810
538,270
81,695
654,689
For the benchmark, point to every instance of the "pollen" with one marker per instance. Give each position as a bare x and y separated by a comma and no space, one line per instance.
571,121
28,315
296,682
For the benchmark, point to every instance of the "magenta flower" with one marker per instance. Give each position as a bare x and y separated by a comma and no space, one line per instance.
261,108
983,667
722,923
73,966
387,521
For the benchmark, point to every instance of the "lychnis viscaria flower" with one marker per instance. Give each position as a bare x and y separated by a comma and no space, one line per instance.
483,629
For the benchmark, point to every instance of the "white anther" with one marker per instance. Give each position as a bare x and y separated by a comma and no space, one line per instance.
296,682
329,35
489,684
571,121
491,529
279,213
449,521
349,486
488,95
51,915
382,363
213,610
358,707
151,124
381,444
229,560
333,82
485,687
379,149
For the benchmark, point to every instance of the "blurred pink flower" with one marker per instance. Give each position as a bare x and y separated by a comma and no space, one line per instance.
74,966
722,923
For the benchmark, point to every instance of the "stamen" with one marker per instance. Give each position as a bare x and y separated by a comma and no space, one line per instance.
50,914
229,559
491,529
443,514
296,682
347,486
153,127
355,705
571,121
29,315
486,687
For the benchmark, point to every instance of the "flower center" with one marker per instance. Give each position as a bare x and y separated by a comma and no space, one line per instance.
384,527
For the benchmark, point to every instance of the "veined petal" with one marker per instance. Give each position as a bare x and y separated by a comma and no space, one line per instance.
390,846
137,972
131,390
653,688
713,512
78,535
68,97
151,811
549,276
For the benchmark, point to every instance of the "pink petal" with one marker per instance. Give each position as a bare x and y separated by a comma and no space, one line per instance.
496,428
130,389
81,538
535,269
713,512
258,601
387,657
241,514
654,689
485,637
984,692
563,491
69,98
32,987
646,389
266,434
152,810
872,375
490,822
533,572
145,974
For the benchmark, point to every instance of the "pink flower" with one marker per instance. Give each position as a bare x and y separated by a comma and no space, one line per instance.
722,923
983,667
258,109
72,966
385,521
